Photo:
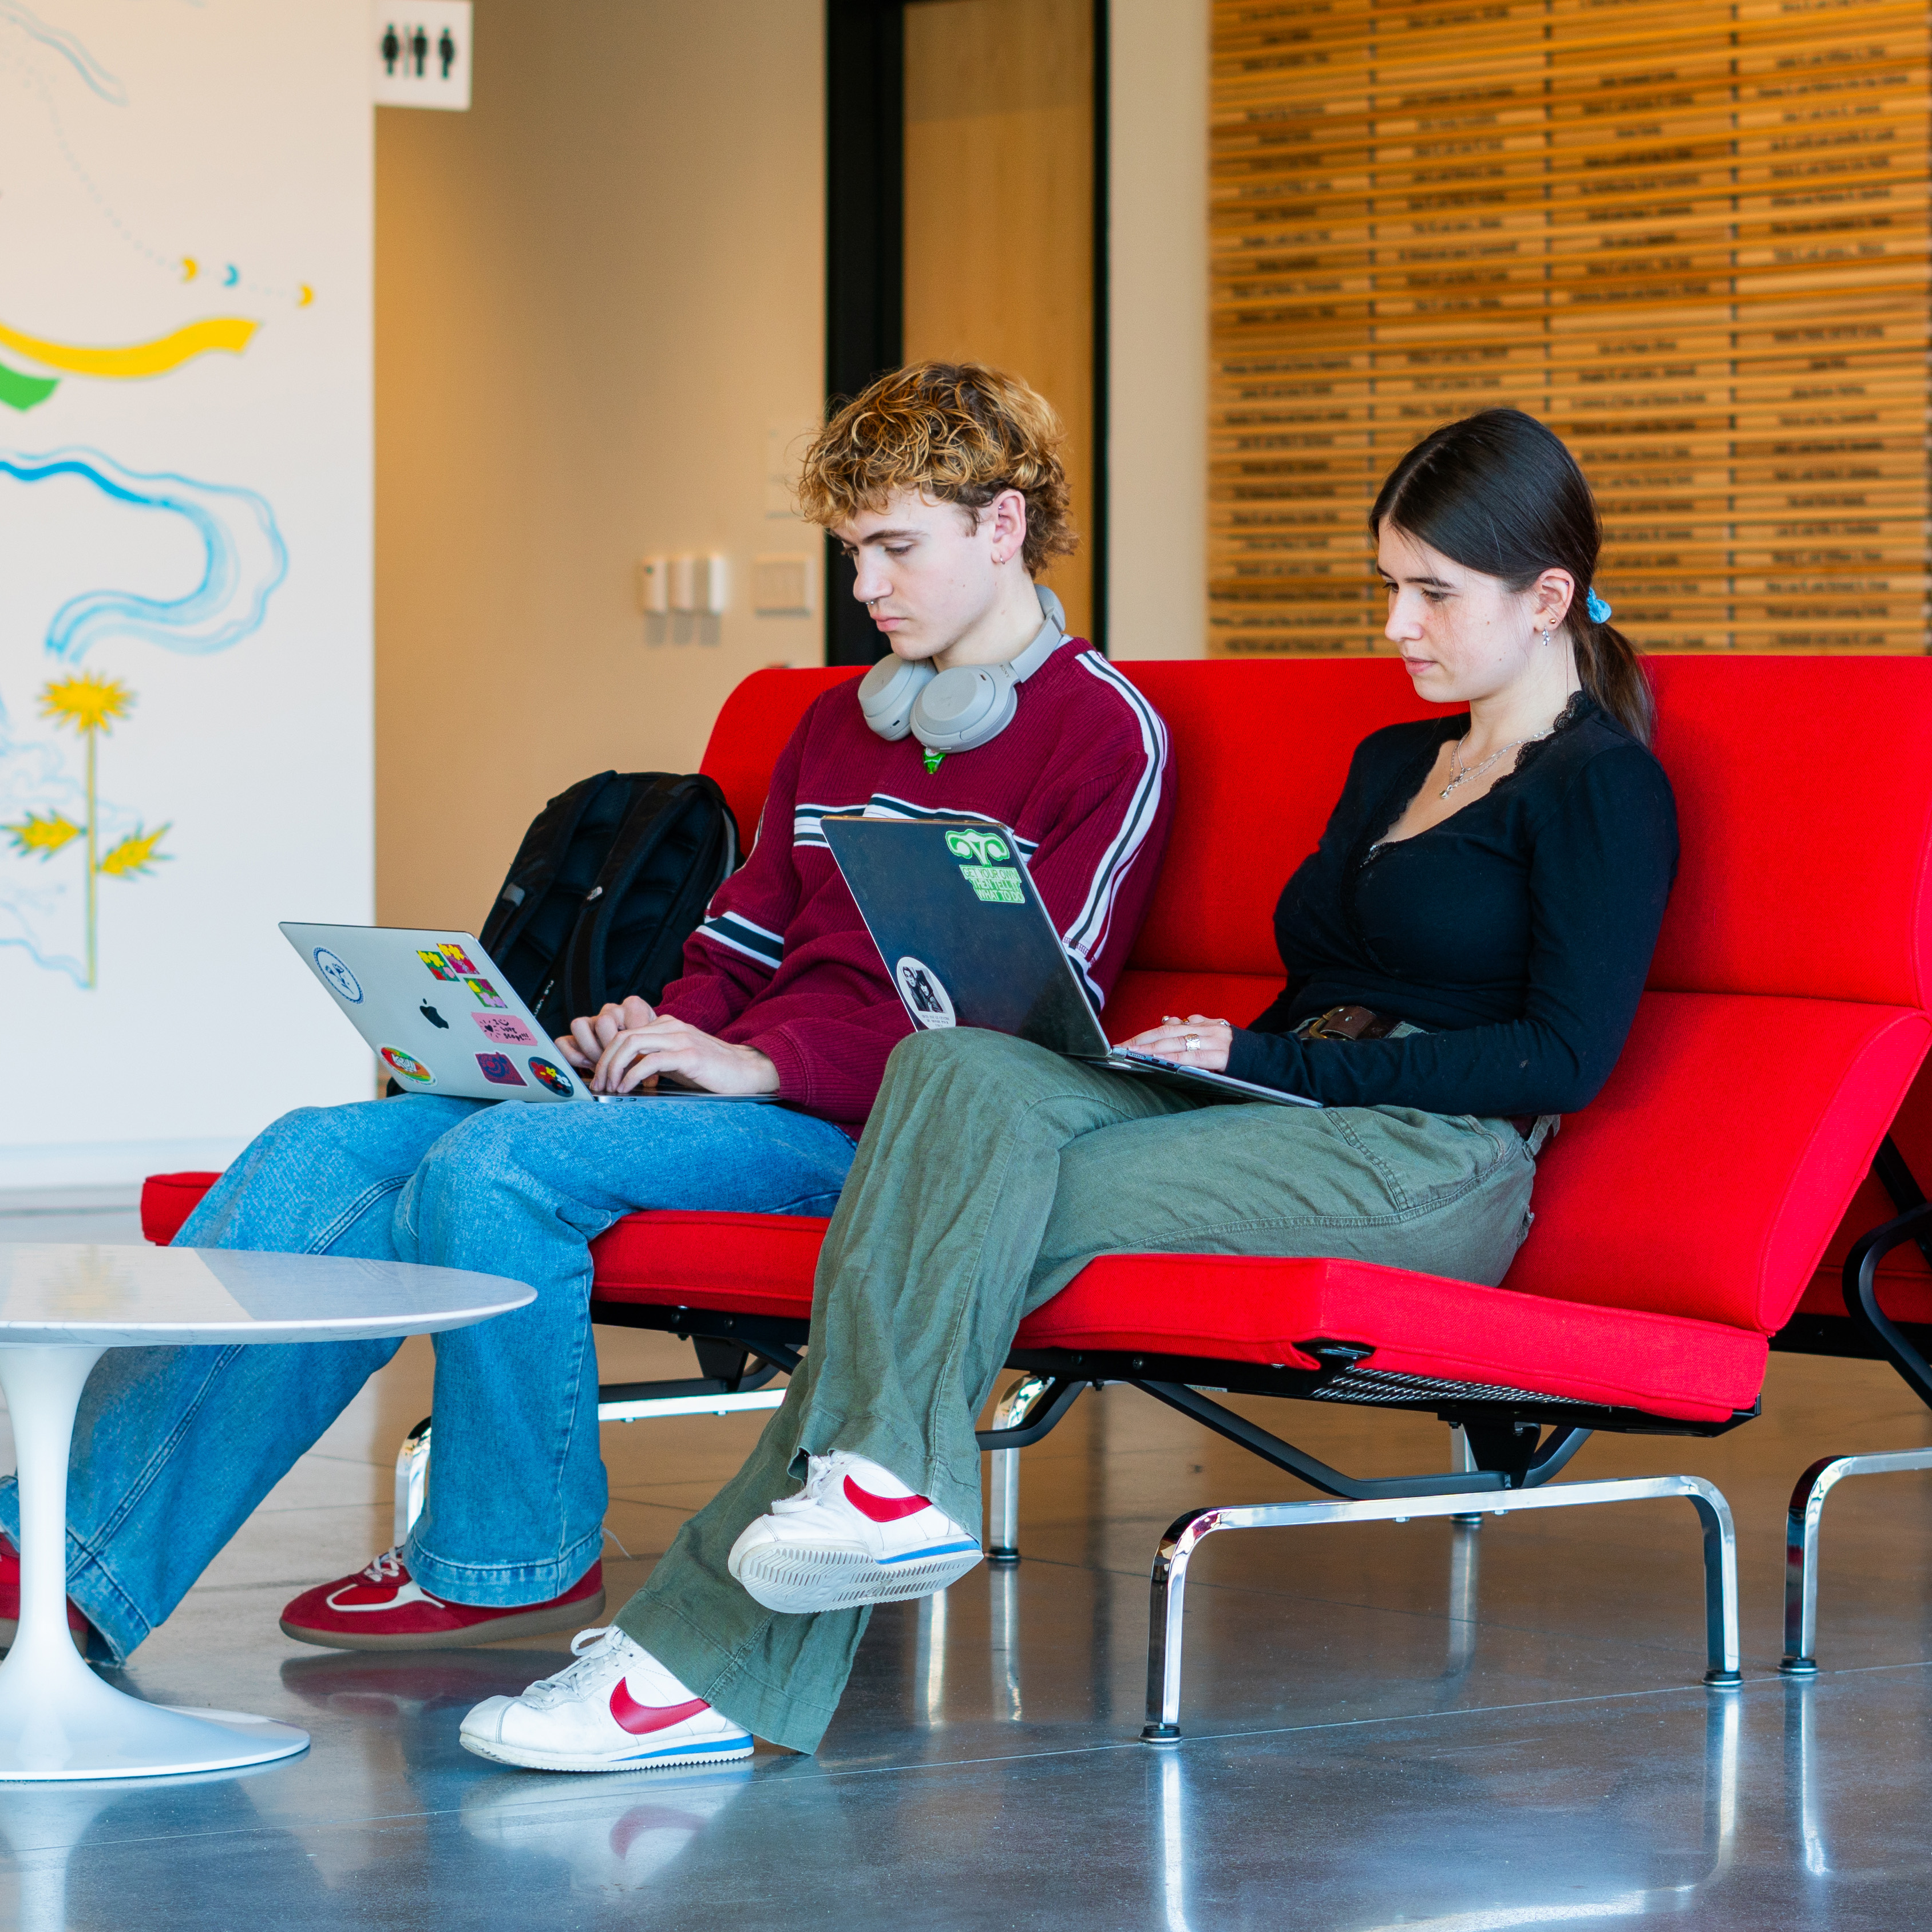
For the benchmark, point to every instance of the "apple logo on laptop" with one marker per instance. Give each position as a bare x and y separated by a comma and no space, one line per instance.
435,1018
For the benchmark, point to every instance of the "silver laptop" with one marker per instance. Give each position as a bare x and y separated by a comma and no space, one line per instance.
442,1019
962,930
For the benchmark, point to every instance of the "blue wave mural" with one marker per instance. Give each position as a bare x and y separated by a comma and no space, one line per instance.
246,560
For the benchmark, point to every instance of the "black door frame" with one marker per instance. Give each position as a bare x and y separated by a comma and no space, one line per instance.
864,263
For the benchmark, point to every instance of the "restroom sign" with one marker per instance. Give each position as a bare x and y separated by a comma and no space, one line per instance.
422,53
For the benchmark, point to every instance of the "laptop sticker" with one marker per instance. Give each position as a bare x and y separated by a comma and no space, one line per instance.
407,1065
486,993
500,1070
505,1027
458,958
340,980
993,884
435,1018
554,1078
926,999
436,964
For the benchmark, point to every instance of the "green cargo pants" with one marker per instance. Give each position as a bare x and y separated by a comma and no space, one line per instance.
991,1173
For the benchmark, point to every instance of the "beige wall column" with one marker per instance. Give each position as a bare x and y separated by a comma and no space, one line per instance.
597,294
1157,464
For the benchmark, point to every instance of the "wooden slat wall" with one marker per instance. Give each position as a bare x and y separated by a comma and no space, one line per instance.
1691,237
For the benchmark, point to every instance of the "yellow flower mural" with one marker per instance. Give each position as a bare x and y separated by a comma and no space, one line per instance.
43,836
89,705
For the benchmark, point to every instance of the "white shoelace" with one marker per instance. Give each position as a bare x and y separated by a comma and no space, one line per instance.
386,1567
817,1475
594,1653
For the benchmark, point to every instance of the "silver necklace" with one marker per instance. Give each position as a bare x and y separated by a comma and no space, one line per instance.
1463,777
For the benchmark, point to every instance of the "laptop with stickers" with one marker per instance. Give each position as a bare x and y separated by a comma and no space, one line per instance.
442,1019
968,941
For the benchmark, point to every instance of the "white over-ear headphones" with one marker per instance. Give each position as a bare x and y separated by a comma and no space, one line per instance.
960,709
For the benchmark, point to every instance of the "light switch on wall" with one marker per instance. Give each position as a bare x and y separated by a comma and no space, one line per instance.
782,586
697,585
708,584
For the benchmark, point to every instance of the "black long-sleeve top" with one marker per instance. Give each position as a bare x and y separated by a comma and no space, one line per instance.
1519,930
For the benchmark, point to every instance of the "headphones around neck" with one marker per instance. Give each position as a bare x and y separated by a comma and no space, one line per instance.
960,709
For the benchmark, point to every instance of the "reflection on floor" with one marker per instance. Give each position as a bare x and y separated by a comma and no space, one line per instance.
1411,1725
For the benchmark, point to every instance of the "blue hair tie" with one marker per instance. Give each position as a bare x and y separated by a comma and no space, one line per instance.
1599,611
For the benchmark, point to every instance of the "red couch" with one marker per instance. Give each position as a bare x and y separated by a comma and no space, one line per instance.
1680,1216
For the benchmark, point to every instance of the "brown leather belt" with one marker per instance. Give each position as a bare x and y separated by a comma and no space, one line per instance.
1364,1023
1348,1023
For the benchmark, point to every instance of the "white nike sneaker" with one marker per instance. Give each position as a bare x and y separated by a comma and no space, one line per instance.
854,1534
616,1709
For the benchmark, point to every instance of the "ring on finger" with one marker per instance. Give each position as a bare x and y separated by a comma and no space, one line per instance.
1192,1042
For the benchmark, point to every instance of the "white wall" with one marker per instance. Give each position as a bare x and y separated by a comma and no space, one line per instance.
1157,397
185,531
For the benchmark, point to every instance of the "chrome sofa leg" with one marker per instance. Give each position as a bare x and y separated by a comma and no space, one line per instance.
1465,1551
1801,1523
412,1479
1169,1581
1002,1509
1169,1606
1721,1583
1463,1460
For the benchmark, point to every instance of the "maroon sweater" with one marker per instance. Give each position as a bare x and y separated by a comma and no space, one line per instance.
783,961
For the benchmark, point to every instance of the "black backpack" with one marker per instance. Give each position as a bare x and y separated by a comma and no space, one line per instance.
611,879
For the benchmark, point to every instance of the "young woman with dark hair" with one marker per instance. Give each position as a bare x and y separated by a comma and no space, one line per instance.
1499,494
1464,950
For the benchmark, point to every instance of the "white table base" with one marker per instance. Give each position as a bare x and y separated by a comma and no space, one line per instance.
57,1720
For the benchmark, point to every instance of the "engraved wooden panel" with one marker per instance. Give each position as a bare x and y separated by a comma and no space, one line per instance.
1694,238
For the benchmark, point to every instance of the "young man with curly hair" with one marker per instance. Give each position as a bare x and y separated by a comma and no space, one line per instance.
944,485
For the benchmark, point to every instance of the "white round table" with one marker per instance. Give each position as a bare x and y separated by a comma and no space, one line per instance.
62,1306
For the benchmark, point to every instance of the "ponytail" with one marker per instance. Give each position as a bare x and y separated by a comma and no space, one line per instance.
1611,671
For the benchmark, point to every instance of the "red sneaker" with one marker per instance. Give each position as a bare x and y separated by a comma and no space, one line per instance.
383,1608
10,1602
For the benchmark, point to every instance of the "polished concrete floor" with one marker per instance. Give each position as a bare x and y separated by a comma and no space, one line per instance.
1389,1725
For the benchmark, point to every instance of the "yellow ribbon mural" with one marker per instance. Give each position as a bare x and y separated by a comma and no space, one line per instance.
228,333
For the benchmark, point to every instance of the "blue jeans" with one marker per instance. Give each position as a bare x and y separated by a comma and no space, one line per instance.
174,1447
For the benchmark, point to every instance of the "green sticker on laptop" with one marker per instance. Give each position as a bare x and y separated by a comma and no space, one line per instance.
997,885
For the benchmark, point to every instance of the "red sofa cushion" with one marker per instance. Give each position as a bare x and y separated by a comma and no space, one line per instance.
1241,1308
1260,758
1904,1281
1226,1307
744,1263
168,1199
1706,1177
1816,885
760,714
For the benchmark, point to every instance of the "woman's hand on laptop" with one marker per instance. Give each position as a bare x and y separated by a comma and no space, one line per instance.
632,1061
1196,1041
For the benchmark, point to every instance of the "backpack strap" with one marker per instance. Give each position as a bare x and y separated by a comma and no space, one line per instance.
657,811
539,860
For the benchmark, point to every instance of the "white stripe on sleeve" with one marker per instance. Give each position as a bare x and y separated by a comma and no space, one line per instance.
1087,935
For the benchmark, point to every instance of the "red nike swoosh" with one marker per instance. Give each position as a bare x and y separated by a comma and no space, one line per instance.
883,1509
641,1719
